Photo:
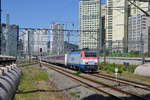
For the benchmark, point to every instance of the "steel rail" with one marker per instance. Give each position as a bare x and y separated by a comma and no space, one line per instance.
64,72
122,81
100,83
126,80
114,88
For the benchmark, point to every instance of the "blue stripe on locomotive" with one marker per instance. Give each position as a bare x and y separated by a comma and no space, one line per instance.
74,53
84,66
81,66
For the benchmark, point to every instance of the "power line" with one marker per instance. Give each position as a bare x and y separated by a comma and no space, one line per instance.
139,8
65,30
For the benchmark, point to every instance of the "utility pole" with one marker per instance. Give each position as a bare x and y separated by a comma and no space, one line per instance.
149,42
126,15
29,46
104,50
149,34
7,19
149,6
68,35
142,48
0,29
99,34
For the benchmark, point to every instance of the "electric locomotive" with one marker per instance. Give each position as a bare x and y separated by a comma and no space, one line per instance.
84,60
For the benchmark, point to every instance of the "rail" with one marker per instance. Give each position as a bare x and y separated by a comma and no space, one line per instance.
81,78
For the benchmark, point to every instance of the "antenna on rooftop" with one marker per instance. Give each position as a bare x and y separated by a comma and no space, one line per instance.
7,19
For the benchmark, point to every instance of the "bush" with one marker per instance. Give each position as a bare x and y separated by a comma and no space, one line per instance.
131,68
134,53
121,68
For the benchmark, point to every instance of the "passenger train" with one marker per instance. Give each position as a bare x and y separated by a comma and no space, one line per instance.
83,60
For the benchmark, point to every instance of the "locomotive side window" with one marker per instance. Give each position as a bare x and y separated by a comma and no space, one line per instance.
90,54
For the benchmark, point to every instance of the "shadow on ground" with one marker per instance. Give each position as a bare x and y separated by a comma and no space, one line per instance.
100,97
90,97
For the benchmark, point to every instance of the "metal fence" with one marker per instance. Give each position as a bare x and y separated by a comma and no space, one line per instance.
33,42
36,42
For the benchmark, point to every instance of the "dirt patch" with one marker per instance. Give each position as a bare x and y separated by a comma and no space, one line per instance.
50,91
35,85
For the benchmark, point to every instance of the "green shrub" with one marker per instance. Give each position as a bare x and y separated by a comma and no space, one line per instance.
131,68
121,68
78,72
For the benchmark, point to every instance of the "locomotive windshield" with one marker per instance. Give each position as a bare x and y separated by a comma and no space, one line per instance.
90,54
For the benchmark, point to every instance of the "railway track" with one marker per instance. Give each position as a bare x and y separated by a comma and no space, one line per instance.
123,81
99,87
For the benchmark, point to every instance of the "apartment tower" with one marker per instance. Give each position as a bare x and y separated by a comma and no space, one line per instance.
57,39
89,23
117,15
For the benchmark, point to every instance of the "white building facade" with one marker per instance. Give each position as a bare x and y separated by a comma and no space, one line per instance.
10,34
143,5
57,39
138,33
33,40
117,22
40,41
90,22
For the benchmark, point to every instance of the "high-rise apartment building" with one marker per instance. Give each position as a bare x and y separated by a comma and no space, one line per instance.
24,38
117,23
57,39
40,40
10,34
138,33
142,5
89,23
33,40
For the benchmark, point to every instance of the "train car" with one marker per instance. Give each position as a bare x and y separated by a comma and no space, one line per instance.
60,60
56,59
84,60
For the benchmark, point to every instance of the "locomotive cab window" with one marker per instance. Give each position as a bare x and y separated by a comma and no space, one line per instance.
90,54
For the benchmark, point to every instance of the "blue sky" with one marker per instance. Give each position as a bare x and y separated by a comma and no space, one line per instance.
40,13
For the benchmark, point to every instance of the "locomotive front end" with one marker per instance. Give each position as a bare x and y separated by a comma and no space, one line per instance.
89,61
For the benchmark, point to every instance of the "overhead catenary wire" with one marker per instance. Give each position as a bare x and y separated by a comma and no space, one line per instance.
65,30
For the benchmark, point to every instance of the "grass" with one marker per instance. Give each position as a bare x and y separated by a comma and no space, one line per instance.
75,94
133,76
30,79
121,68
78,72
26,63
123,71
129,75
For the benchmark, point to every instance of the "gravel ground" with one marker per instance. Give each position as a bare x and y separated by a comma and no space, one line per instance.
76,91
136,80
121,86
71,88
35,85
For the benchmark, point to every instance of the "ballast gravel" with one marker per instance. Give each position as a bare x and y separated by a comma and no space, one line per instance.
71,88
